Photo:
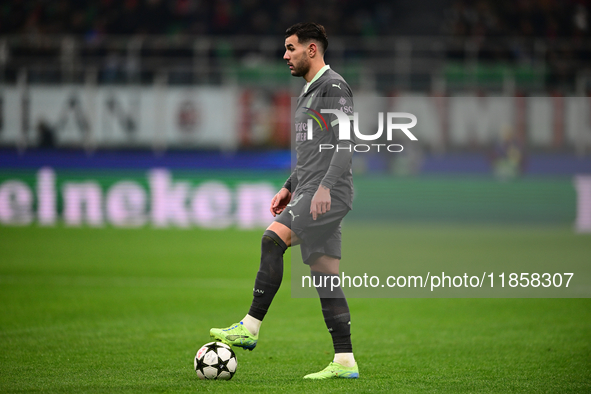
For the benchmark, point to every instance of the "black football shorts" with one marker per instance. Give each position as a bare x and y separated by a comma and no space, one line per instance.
319,237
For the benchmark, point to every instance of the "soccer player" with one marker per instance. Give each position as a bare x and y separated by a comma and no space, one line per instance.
309,208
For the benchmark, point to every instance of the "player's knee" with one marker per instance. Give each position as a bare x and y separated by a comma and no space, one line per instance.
282,232
271,240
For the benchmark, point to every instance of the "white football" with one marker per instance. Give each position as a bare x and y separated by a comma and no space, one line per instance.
215,360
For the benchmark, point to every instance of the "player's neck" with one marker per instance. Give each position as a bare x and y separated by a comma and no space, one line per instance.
316,66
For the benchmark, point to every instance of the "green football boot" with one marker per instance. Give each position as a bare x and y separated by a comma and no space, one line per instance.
235,335
335,370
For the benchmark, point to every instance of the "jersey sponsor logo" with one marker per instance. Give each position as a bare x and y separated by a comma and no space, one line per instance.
300,137
337,86
301,129
348,109
301,126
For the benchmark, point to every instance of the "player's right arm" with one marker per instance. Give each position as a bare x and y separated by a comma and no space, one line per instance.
283,197
280,201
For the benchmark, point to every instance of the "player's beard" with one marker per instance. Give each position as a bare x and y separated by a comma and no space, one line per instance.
302,68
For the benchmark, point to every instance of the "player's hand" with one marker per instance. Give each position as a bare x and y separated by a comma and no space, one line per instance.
320,202
280,201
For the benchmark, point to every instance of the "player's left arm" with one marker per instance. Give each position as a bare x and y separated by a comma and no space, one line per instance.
341,99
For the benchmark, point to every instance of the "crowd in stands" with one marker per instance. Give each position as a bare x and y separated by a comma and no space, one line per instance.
480,21
518,18
92,18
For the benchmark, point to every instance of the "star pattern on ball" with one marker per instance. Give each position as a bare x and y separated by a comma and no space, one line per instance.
220,365
223,366
213,346
209,359
200,366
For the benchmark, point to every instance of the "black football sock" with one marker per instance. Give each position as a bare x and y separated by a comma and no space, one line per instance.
269,276
336,313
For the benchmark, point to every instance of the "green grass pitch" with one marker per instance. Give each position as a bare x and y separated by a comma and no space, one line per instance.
113,310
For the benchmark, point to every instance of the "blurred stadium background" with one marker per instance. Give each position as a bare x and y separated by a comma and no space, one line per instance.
199,91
